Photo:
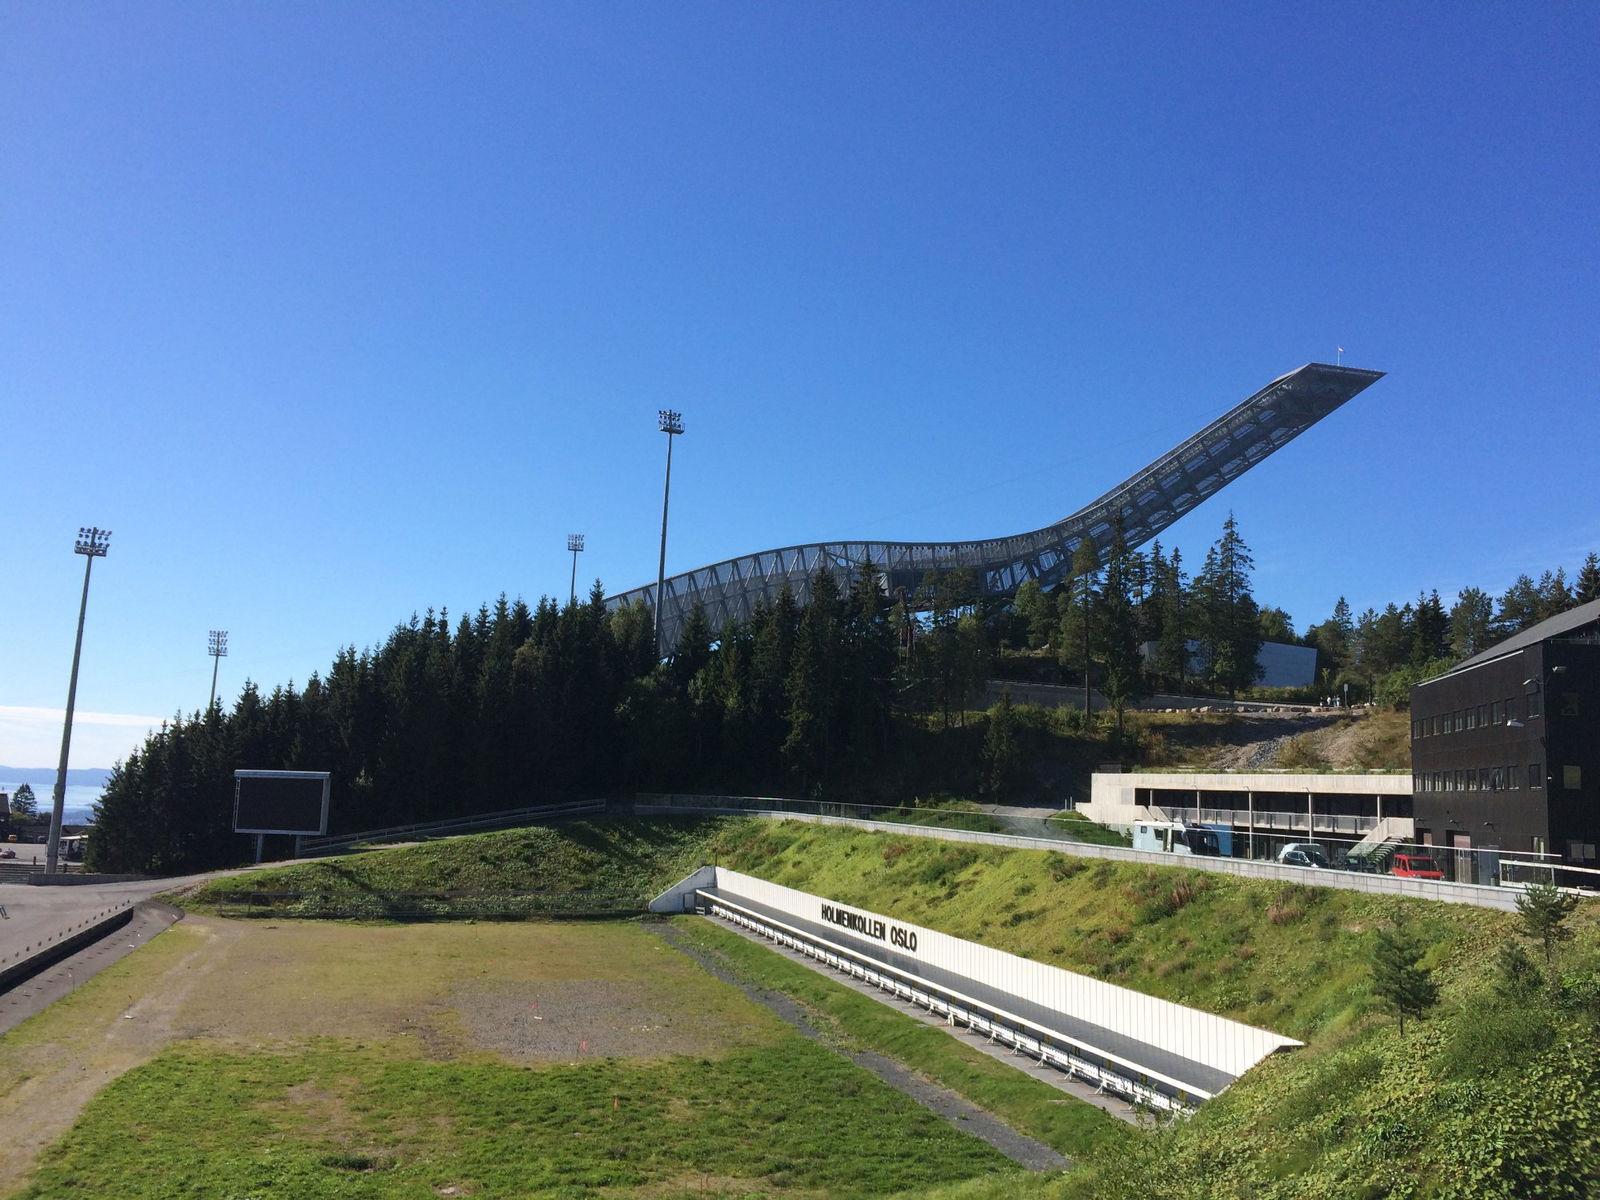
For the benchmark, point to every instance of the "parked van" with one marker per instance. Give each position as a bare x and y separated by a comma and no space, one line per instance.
1416,866
1174,837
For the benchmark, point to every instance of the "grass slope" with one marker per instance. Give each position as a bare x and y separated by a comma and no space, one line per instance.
625,858
1494,1096
856,1021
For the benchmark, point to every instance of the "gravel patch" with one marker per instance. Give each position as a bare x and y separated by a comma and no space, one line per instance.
571,1019
956,1109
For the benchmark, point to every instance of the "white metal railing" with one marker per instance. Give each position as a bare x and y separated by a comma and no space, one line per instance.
1106,1071
1291,822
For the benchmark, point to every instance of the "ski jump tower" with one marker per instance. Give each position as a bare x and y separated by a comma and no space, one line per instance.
1148,501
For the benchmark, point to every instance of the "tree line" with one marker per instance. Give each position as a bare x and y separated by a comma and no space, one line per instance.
511,706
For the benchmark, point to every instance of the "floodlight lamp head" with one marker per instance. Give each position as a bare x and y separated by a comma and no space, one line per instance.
219,643
574,542
93,542
670,420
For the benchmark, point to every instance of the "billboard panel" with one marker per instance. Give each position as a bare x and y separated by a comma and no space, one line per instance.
280,802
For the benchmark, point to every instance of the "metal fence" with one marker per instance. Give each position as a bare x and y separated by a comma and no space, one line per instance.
1055,828
421,831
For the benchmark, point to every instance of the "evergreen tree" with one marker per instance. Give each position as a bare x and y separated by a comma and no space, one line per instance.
1471,618
1588,583
1334,639
1399,980
1519,608
806,716
1036,609
1229,624
1430,630
24,804
1172,642
1542,913
1276,626
1123,682
1554,595
1002,758
870,660
1078,604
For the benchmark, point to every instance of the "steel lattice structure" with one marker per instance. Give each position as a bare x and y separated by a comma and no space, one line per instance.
1148,502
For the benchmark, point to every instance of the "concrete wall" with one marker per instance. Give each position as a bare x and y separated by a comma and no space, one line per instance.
672,900
1197,1036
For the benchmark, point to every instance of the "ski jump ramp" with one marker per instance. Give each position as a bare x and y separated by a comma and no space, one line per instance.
1147,501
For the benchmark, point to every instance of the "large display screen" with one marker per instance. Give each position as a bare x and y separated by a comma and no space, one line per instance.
280,802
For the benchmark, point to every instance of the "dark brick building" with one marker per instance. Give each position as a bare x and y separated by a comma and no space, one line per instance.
1505,748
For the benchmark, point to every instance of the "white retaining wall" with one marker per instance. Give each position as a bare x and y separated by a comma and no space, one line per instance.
1200,1037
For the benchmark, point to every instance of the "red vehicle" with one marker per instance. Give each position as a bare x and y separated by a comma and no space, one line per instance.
1416,866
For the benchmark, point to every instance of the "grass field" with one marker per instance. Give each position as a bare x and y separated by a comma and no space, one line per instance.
319,1059
1495,1094
858,1021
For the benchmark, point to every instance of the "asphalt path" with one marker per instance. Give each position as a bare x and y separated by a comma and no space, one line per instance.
34,914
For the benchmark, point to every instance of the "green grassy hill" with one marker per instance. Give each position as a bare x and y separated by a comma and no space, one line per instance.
630,860
1497,1093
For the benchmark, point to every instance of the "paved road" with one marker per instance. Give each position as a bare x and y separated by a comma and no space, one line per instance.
35,913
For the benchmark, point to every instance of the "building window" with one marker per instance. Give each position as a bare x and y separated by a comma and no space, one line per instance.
1416,730
1483,779
1460,722
1483,714
1497,779
1511,709
1535,776
1570,706
1497,713
1533,702
1572,778
1512,780
1472,718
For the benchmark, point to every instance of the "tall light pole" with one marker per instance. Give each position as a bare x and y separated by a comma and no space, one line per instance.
575,544
671,424
217,647
92,544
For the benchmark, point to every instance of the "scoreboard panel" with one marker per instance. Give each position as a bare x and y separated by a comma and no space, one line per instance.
293,802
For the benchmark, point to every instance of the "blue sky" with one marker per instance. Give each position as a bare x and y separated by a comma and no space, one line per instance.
335,312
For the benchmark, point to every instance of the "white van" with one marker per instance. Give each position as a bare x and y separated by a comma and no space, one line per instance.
1174,837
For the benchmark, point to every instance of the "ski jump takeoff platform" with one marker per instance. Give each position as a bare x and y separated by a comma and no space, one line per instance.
1153,1052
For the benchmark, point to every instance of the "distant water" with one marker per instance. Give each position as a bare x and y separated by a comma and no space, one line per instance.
75,811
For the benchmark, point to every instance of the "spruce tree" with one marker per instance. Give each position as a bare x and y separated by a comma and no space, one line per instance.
24,804
1002,758
1123,682
1172,644
1587,587
1519,608
1430,630
1036,610
1470,619
1399,980
1542,913
1230,628
1078,603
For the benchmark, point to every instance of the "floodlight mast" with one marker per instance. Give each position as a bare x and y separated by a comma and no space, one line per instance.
92,544
575,544
671,423
217,647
